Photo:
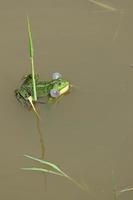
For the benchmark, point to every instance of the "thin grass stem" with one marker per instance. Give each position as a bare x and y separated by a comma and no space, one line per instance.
31,49
55,170
103,5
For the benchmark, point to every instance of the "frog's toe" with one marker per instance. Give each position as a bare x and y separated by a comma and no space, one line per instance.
17,95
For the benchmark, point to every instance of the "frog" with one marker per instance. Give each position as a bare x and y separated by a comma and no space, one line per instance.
52,89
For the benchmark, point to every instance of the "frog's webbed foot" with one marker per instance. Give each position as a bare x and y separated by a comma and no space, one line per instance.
51,100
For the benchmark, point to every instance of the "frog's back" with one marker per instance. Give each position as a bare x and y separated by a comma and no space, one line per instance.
28,79
43,88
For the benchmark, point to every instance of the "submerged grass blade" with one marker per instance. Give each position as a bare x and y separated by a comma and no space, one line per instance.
55,170
103,5
41,170
114,185
122,12
55,167
42,145
31,49
125,190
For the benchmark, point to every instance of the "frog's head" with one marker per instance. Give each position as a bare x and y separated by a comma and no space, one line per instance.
60,86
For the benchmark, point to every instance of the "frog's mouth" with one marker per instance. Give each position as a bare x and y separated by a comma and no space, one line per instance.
65,89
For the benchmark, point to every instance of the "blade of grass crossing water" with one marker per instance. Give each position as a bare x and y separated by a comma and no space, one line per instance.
55,170
45,162
41,170
31,49
103,5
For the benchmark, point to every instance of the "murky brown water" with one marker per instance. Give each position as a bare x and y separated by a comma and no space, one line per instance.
90,132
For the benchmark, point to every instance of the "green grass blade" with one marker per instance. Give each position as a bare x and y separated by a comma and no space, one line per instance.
31,49
125,190
103,5
57,171
41,170
55,167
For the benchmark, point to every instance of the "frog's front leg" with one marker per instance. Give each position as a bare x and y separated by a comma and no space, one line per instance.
59,99
52,100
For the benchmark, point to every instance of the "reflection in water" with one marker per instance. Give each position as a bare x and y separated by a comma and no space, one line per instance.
42,145
122,12
110,9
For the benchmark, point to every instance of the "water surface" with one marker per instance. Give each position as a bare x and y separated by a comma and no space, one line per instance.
90,132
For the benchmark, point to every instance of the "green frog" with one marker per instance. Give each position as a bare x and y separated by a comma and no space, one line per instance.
53,89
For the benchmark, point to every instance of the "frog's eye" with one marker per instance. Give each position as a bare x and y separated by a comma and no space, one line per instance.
54,93
56,75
